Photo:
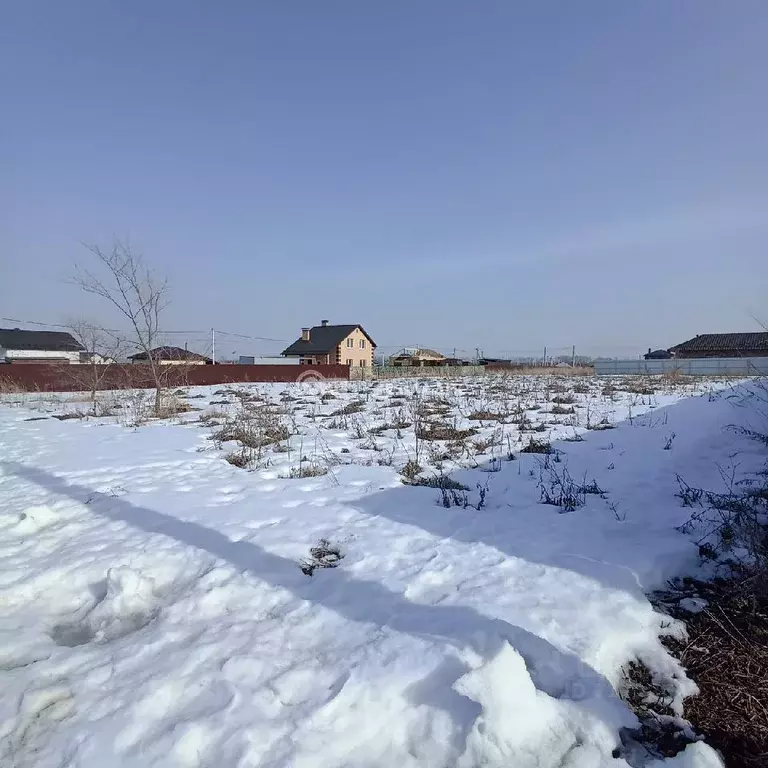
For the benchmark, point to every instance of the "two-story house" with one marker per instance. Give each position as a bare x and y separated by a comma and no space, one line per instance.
326,344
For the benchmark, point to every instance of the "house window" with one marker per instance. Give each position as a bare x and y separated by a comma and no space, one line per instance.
362,343
362,363
350,343
349,361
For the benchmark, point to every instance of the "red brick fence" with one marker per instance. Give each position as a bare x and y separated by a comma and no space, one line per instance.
72,378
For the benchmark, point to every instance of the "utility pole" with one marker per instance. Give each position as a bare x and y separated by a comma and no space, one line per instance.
213,345
573,357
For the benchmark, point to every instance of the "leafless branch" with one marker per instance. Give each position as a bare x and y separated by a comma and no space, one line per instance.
135,292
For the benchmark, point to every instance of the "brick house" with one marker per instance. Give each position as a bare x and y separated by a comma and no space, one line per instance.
723,345
326,344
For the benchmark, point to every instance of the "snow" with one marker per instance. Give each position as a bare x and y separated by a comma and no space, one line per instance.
693,604
153,611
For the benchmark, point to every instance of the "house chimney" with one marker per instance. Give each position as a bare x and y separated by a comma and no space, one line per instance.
305,334
323,323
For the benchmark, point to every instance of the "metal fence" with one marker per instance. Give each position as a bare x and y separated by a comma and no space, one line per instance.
428,371
695,366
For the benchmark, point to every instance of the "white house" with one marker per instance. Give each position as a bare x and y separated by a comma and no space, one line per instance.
18,346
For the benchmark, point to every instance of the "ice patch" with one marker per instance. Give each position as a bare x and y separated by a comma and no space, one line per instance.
693,604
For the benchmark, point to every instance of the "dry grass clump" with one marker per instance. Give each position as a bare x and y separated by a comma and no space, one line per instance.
355,406
242,458
441,482
537,446
410,470
212,418
69,416
637,386
307,469
601,425
172,406
8,387
486,415
675,376
442,431
660,734
253,428
322,555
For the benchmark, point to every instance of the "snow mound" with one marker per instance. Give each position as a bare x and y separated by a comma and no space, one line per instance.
129,603
697,755
519,725
35,519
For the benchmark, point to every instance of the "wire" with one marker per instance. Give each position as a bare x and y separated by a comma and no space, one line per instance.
204,336
63,325
255,338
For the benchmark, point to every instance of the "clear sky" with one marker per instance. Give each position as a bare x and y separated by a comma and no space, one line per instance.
501,175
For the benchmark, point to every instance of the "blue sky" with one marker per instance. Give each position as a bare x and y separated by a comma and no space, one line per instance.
501,175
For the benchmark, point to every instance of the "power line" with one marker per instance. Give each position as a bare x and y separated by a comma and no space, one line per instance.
203,335
254,338
64,325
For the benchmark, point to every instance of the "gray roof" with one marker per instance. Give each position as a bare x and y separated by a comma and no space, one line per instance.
171,353
728,342
324,339
409,352
40,341
658,354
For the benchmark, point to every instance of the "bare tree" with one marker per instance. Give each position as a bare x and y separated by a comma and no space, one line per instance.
138,295
101,349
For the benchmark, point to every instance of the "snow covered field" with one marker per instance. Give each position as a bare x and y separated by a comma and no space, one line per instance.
254,584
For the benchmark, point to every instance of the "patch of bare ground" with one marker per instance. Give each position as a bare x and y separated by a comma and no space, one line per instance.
726,655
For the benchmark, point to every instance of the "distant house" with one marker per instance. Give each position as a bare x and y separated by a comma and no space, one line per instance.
326,344
19,346
96,358
495,361
417,357
457,362
657,354
723,345
171,356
